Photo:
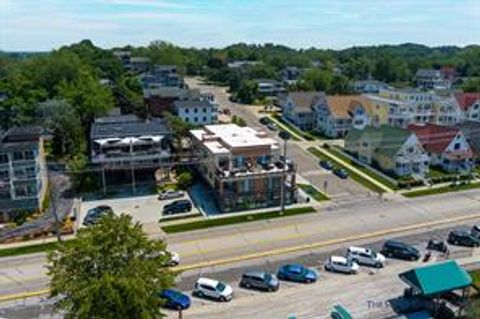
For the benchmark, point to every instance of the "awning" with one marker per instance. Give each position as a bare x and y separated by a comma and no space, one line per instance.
437,278
340,312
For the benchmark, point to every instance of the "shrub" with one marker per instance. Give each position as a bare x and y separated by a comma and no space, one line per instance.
184,180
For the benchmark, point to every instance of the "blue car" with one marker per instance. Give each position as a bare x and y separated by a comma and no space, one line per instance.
297,273
327,165
174,299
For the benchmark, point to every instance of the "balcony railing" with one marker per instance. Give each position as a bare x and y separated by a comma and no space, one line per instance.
255,170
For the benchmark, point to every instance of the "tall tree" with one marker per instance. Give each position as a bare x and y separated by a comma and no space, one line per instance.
110,271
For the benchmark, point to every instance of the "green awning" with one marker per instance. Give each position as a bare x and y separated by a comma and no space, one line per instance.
437,278
339,312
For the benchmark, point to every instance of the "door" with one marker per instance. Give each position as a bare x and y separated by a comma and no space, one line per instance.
209,291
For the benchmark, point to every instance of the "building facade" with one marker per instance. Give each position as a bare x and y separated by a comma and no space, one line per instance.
197,112
23,172
243,167
298,108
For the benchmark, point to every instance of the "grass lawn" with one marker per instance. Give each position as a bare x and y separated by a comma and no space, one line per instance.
217,222
442,190
475,277
313,192
359,179
168,219
293,131
17,251
372,174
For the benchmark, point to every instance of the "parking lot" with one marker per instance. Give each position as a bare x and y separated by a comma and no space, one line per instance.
145,209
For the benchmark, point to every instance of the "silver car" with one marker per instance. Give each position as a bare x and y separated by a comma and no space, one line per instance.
170,194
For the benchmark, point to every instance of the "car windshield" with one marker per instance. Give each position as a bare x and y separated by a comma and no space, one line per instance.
267,277
373,253
221,286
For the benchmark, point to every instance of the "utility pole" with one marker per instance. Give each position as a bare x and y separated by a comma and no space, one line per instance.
54,208
285,136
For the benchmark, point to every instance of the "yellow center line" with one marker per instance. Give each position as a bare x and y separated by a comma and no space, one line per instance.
281,251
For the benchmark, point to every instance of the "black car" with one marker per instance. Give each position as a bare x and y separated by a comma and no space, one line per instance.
94,214
259,280
264,120
437,245
397,249
327,165
340,172
177,207
462,238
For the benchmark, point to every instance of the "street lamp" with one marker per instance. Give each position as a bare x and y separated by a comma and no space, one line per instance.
285,136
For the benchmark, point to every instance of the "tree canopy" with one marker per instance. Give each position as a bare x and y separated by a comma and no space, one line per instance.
111,270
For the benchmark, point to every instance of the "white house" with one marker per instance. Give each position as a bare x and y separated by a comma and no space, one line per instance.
298,108
196,111
469,103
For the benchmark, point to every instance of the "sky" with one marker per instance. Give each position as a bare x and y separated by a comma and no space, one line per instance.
39,25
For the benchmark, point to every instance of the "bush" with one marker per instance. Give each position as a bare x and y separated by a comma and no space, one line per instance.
184,180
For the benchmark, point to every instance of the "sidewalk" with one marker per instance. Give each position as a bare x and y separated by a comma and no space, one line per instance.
34,242
357,171
434,186
285,128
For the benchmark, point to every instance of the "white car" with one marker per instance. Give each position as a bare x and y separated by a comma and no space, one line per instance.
174,258
170,194
366,256
211,288
341,264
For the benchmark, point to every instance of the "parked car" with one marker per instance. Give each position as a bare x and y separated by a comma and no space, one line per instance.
297,272
272,126
259,280
463,238
438,245
94,214
170,194
476,231
175,299
366,256
341,264
211,288
340,172
264,120
397,249
327,165
178,206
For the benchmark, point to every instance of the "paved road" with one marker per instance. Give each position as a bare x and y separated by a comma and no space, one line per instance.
307,164
335,225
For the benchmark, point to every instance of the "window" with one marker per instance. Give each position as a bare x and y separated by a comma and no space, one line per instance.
195,119
187,119
195,110
204,110
187,110
18,156
30,155
3,158
204,118
4,175
456,146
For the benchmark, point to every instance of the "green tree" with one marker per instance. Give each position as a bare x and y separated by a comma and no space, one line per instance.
179,128
82,179
247,92
68,135
472,85
184,180
111,270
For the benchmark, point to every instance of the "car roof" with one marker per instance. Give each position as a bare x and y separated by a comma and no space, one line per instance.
460,232
255,273
172,292
207,281
293,267
359,249
338,259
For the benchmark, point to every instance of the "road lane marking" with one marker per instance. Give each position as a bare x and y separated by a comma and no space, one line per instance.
281,251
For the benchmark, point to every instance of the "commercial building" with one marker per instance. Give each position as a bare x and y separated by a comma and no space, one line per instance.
242,167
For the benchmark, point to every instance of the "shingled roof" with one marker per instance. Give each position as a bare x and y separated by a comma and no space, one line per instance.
304,101
341,106
434,138
466,100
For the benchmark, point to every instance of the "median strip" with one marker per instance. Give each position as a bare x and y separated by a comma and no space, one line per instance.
238,219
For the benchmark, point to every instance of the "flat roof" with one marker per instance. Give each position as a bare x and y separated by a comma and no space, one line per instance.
223,137
437,278
126,126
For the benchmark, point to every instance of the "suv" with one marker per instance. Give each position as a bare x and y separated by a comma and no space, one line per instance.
94,214
264,120
341,172
178,206
259,280
341,264
326,165
211,288
463,238
397,249
366,256
475,231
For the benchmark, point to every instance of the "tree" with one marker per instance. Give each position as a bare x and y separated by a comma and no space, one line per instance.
111,270
184,180
471,85
179,128
247,92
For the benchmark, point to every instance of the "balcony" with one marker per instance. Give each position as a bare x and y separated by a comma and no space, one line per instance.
255,170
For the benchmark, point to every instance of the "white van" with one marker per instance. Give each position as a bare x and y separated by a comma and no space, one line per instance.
366,256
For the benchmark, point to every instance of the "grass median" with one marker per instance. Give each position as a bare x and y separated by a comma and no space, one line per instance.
225,221
313,192
441,190
353,175
31,249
